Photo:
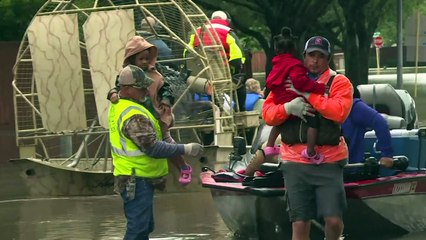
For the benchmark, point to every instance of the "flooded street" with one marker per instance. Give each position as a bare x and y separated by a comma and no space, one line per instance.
178,217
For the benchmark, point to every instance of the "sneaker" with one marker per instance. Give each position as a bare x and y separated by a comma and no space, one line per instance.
317,158
185,175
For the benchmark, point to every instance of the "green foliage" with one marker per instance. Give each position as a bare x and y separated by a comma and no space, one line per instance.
348,24
388,22
263,19
249,42
15,16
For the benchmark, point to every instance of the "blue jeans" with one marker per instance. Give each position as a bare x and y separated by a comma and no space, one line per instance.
139,211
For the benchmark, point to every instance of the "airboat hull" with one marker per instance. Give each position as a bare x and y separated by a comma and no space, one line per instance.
35,178
49,179
380,208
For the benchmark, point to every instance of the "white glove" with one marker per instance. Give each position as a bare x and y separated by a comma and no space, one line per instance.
298,107
288,84
193,149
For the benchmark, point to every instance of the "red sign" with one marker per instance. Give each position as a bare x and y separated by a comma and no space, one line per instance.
378,41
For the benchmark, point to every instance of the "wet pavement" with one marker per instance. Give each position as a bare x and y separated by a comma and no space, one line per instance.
181,216
177,216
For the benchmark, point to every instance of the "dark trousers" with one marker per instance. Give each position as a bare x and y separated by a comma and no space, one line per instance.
241,95
139,211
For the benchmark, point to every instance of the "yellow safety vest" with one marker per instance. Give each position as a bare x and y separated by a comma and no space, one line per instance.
125,153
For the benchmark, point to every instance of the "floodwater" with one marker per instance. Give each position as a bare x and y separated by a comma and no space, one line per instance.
180,216
177,216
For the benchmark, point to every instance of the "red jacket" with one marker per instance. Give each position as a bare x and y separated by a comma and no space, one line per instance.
287,66
222,28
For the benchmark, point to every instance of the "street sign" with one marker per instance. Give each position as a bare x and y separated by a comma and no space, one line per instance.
378,41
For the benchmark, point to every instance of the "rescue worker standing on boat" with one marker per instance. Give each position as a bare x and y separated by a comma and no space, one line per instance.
139,155
220,22
315,190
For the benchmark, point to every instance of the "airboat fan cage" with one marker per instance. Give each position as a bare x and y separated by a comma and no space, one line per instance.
71,54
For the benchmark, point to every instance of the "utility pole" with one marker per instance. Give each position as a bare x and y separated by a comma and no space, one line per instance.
399,46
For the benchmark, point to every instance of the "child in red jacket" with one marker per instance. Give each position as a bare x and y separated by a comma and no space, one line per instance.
286,66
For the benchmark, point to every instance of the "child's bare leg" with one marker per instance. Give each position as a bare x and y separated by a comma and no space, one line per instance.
258,159
311,140
166,133
275,131
312,132
179,162
310,152
270,149
255,163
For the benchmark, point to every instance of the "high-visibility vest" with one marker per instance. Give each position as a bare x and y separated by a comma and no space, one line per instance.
125,153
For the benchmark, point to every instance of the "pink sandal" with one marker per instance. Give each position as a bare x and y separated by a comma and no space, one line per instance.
317,158
271,151
185,175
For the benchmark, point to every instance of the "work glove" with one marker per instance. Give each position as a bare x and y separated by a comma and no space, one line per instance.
298,107
193,149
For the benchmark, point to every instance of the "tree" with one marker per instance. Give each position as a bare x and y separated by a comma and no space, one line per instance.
387,23
348,24
15,16
361,20
248,16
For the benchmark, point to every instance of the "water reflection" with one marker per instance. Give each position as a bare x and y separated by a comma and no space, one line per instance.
67,218
178,216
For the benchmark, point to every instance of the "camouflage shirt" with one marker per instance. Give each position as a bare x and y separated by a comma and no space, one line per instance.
142,132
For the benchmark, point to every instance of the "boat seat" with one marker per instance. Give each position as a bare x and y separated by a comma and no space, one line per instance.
385,99
395,122
273,177
270,167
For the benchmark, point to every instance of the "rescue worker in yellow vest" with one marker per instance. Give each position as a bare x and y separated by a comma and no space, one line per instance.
139,155
220,22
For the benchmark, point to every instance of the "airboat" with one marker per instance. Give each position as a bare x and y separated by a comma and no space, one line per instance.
68,59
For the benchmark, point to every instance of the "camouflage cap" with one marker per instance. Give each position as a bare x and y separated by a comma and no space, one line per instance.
134,76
